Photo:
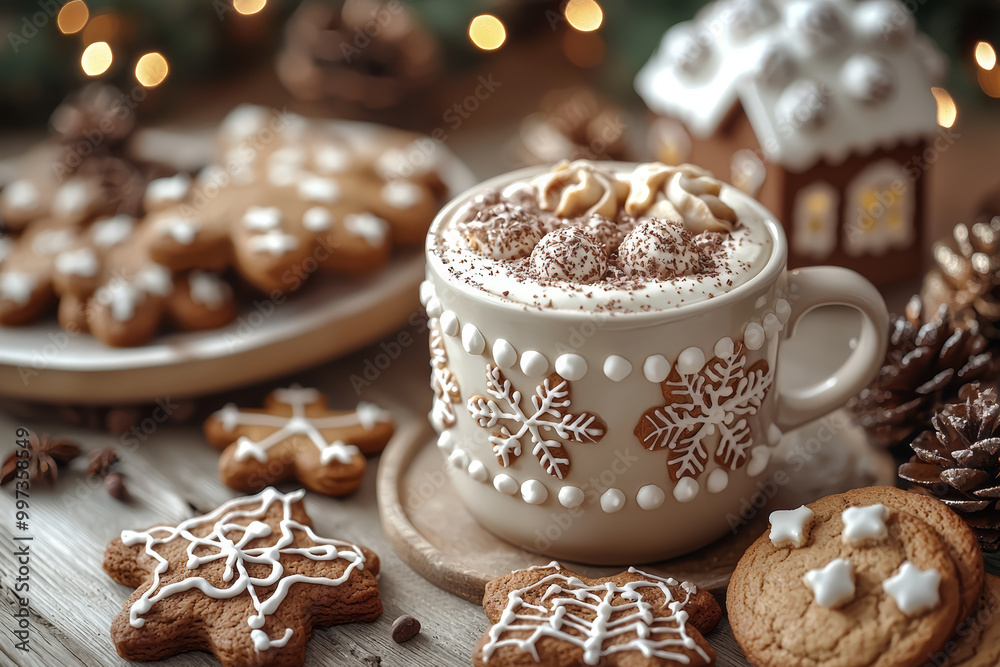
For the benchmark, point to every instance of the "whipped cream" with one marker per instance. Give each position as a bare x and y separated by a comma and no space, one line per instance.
586,237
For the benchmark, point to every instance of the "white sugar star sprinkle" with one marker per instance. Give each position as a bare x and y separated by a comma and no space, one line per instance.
833,586
865,524
789,527
914,590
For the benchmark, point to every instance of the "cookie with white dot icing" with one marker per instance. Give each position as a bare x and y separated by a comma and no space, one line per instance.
295,436
554,617
868,577
26,268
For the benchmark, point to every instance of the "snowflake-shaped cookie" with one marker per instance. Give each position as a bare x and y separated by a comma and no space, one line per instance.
704,400
549,415
247,581
295,436
551,615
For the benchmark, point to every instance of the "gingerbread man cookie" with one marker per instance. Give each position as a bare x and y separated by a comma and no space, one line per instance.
874,576
557,618
26,266
247,582
295,436
109,286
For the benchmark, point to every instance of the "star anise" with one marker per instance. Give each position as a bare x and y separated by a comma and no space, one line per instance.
102,462
46,454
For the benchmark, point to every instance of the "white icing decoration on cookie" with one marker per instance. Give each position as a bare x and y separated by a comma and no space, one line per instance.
717,481
449,323
298,398
181,230
319,189
505,484
477,471
833,585
122,298
610,611
274,242
80,262
332,159
228,540
534,364
789,528
690,361
472,339
686,489
617,368
612,500
368,226
572,367
504,353
243,121
656,368
753,336
53,241
169,189
571,496
650,497
112,231
208,289
155,279
72,198
915,591
262,218
17,286
317,219
22,195
401,194
865,524
534,492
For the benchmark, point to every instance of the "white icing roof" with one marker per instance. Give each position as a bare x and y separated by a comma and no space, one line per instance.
816,78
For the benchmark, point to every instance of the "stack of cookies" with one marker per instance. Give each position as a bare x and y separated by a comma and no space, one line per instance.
874,576
284,198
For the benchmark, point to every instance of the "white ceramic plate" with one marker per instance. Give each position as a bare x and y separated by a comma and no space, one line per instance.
331,317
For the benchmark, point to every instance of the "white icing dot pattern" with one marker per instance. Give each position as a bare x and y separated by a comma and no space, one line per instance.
612,500
571,366
534,364
571,496
617,368
534,492
650,497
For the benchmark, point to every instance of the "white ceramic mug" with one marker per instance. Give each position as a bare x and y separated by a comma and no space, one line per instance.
663,465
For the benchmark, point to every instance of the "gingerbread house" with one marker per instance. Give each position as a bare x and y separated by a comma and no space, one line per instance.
822,109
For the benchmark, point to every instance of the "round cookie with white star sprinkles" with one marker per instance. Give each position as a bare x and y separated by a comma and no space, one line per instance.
874,577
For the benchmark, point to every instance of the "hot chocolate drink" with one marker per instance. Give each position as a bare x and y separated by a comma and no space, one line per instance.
598,238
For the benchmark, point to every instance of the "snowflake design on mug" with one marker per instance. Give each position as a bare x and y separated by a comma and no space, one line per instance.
549,415
703,400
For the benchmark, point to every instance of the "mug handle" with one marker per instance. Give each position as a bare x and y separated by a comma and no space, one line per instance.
817,286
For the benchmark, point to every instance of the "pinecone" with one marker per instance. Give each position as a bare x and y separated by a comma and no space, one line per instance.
966,276
926,363
365,55
958,462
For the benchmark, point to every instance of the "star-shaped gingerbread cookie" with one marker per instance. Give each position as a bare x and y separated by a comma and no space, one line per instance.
295,436
247,582
556,618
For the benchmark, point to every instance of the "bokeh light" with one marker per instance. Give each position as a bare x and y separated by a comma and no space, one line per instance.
151,70
96,59
986,57
584,15
487,32
72,17
247,7
947,112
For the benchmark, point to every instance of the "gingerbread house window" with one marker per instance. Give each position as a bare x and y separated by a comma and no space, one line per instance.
815,220
879,211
